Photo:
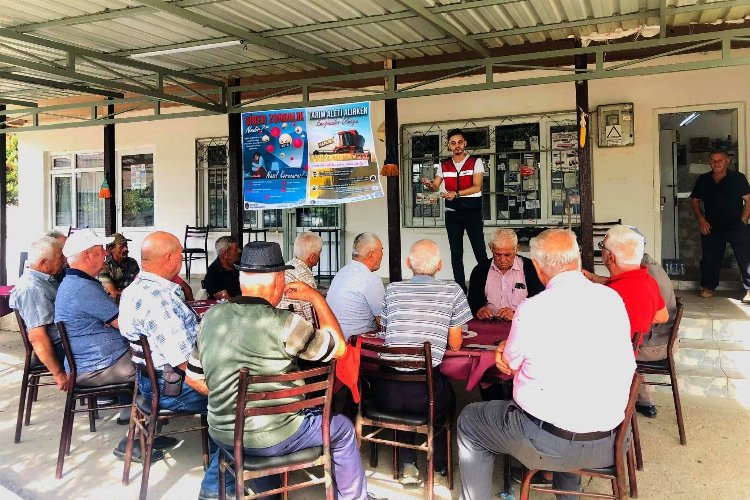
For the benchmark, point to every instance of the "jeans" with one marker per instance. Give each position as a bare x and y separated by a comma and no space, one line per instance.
500,427
347,471
714,245
456,222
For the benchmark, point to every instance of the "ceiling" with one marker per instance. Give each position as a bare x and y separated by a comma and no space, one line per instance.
62,62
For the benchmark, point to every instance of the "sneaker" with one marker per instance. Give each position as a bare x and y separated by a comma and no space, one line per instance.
746,298
410,475
440,479
707,293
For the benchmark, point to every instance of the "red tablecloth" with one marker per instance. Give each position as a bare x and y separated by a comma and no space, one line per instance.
4,298
201,306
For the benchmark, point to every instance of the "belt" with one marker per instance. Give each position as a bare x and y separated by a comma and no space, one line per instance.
563,434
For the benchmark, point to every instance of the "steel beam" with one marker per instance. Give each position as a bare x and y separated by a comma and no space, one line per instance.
16,102
243,34
53,84
3,201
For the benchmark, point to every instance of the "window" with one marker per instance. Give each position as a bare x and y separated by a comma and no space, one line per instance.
76,180
530,163
212,184
137,189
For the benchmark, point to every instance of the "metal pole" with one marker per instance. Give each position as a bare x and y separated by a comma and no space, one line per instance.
110,204
236,202
392,183
584,165
3,202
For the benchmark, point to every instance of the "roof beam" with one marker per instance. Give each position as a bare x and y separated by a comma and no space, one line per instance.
53,84
437,21
247,36
15,102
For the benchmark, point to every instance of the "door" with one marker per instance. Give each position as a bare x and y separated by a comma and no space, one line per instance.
668,188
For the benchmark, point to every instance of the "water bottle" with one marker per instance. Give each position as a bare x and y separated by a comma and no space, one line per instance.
505,496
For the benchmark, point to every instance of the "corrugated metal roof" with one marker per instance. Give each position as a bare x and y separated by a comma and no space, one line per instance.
344,32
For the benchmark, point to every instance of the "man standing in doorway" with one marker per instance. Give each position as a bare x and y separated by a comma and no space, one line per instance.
726,209
463,202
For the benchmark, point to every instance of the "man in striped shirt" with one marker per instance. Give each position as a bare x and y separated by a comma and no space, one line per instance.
420,310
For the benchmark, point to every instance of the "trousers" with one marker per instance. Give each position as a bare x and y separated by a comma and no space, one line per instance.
500,427
456,222
714,245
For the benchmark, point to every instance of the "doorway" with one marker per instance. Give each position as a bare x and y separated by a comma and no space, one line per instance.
686,140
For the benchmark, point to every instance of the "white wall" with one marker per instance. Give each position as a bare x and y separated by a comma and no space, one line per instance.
625,179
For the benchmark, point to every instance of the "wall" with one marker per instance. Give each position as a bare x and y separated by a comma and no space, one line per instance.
625,179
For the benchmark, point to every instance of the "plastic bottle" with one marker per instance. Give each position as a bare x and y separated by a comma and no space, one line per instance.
506,496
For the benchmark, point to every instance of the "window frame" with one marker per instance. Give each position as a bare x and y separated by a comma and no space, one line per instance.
70,171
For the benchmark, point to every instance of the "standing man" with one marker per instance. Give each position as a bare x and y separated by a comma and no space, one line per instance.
567,400
119,269
356,292
222,279
498,285
34,299
463,202
726,209
307,248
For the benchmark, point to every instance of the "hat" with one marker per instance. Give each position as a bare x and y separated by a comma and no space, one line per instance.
120,239
262,257
83,240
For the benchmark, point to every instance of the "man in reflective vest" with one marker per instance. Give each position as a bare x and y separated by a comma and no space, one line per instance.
463,202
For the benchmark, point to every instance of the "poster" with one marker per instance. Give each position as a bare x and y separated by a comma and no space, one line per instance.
138,177
309,156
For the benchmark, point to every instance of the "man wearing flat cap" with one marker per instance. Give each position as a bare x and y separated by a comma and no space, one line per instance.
249,331
119,270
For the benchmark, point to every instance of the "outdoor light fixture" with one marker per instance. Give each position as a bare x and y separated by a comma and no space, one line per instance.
191,48
689,118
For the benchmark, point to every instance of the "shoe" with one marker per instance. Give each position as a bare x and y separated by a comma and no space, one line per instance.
410,476
123,421
746,298
440,479
707,293
648,411
214,495
160,443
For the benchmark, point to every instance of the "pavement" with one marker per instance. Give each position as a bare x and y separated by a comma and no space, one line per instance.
714,464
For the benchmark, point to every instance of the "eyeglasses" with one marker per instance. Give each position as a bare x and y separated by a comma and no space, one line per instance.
601,246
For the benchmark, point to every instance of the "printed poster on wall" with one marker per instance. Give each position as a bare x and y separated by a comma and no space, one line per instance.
309,156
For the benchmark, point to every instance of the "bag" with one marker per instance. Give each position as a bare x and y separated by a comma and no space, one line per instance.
172,381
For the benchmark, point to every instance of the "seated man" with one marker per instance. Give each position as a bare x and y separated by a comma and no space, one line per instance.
90,316
499,285
119,269
655,343
34,299
356,292
622,251
436,317
251,332
62,238
307,248
567,401
222,279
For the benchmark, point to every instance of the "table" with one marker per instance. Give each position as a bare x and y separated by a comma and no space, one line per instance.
201,306
4,299
471,364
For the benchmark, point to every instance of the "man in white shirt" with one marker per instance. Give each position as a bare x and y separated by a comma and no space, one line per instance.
567,401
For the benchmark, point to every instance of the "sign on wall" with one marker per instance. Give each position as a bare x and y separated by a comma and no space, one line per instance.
309,156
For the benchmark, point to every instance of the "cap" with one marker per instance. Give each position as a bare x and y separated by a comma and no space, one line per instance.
119,239
262,257
83,240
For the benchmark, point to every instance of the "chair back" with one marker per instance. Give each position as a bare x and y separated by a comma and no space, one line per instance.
636,341
68,351
22,262
624,429
24,335
599,230
311,393
72,229
199,233
417,360
674,335
141,350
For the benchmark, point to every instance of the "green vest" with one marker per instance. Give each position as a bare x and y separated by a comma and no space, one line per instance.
246,334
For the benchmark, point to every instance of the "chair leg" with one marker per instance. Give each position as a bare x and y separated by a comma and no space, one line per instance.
36,388
146,454
525,483
449,447
430,483
129,447
65,432
21,405
373,455
92,414
637,442
506,473
285,484
677,405
204,442
631,473
70,424
395,455
30,398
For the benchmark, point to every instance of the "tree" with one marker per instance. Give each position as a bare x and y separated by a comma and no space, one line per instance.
11,167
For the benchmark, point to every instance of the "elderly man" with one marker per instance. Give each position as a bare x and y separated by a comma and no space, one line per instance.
62,238
356,292
498,285
251,332
119,269
34,299
436,317
567,401
307,248
622,251
222,279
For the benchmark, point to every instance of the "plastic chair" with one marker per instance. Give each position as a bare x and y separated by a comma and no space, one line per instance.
144,421
256,404
615,473
195,252
79,391
30,381
420,364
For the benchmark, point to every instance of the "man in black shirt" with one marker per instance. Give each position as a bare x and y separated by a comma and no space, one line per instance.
222,279
726,209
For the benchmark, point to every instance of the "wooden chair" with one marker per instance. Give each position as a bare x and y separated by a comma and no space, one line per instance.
79,391
615,473
30,381
195,251
23,257
667,367
308,395
600,231
420,361
144,422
